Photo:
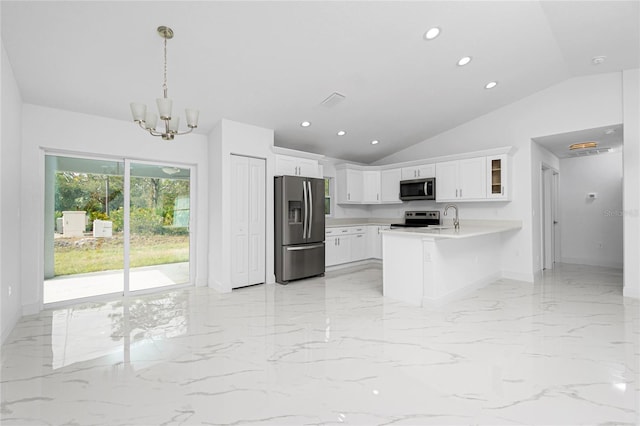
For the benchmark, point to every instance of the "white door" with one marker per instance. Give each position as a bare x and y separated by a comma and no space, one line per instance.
247,221
257,233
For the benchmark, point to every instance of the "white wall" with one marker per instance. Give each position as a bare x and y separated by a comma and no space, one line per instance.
230,137
576,104
10,193
53,130
591,229
631,191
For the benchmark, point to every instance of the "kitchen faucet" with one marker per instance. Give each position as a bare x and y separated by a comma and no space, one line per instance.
456,221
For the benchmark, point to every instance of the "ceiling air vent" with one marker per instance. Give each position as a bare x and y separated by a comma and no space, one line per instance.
333,99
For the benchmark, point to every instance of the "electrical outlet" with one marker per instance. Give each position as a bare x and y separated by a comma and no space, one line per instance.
600,245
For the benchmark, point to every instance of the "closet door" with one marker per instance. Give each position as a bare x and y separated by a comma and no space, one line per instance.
239,221
248,234
257,232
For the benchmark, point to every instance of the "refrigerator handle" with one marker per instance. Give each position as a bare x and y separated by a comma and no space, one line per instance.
304,198
310,210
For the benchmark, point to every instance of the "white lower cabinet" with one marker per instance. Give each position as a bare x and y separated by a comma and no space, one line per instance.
345,244
374,240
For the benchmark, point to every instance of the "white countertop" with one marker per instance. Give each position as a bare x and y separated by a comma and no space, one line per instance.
465,231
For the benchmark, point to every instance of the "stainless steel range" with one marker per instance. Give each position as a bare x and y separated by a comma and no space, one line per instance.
419,219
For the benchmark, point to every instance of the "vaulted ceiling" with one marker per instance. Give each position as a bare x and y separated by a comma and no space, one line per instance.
272,64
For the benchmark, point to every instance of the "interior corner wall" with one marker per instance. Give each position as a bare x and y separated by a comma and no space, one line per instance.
231,137
591,228
10,192
575,104
631,191
85,134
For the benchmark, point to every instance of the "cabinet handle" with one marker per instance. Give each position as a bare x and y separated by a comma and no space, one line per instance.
418,172
348,196
460,192
456,193
377,197
502,190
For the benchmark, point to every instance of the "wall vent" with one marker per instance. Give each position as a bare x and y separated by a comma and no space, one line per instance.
333,99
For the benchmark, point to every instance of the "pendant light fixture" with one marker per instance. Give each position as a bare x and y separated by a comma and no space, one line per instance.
148,120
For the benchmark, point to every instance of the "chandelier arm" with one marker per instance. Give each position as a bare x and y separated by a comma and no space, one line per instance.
185,132
151,131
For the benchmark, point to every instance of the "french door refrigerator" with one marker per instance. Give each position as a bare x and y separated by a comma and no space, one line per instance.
299,227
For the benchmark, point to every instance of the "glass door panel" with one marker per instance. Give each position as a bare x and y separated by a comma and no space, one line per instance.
159,226
84,244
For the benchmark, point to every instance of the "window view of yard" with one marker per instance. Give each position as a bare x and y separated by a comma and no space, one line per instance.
87,206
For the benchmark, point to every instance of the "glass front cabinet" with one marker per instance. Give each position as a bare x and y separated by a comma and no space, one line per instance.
497,177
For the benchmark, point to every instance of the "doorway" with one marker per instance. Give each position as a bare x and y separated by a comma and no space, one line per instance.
114,226
550,223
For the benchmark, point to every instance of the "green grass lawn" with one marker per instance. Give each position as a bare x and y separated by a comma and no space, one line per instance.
81,255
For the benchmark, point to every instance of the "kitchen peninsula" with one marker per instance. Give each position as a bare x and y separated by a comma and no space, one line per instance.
426,266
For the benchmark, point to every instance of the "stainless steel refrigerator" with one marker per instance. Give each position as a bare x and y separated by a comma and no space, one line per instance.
299,227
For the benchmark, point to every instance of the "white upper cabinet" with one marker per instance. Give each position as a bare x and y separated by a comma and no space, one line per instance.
461,180
371,184
295,166
420,171
350,186
497,177
390,186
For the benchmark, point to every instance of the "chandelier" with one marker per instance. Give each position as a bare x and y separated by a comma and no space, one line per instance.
148,120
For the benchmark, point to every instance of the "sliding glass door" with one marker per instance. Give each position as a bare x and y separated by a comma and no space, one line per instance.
159,226
84,245
114,226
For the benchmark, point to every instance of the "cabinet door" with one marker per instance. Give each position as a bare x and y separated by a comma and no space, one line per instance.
308,168
419,171
427,170
331,251
286,165
349,186
358,247
371,186
447,181
390,186
497,177
294,166
472,178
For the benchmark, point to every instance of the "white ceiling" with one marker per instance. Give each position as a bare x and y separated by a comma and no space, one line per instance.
272,63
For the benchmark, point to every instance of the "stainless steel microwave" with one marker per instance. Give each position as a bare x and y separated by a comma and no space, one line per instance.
418,189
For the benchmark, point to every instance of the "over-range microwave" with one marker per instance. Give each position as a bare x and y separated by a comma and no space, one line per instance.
418,189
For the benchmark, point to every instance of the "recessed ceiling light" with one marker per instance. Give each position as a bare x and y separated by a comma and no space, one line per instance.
432,33
491,85
342,133
375,142
583,145
597,60
305,124
464,61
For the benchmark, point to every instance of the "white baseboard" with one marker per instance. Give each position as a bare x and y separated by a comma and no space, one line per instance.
592,262
518,276
217,286
352,264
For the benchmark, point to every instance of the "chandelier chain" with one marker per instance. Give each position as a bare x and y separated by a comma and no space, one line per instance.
164,85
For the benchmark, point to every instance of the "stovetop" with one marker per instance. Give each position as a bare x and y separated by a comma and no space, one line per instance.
419,219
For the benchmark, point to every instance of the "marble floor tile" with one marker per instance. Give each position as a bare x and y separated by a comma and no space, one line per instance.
333,350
